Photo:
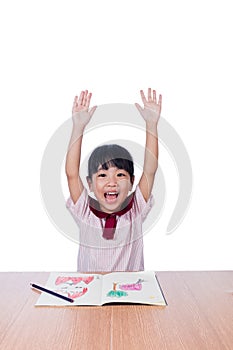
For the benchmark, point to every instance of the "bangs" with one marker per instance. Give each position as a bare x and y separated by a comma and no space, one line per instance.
117,162
110,155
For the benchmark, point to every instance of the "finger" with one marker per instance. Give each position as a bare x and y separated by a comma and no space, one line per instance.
88,100
92,110
149,95
75,103
143,96
80,101
154,96
85,98
139,108
160,101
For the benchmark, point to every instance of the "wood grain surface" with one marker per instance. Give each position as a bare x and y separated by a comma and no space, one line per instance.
199,316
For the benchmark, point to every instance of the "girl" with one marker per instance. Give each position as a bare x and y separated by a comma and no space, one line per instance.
111,237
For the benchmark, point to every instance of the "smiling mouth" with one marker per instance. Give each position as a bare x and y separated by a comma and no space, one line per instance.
111,195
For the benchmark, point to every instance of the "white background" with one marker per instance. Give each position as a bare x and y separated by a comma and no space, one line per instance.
50,50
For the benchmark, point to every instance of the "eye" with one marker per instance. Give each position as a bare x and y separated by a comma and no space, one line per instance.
121,174
101,175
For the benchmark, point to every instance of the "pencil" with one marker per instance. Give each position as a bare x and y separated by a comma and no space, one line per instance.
51,292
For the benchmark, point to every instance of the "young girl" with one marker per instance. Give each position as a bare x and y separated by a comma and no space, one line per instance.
111,237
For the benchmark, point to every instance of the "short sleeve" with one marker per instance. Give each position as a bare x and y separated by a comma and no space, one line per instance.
80,208
142,206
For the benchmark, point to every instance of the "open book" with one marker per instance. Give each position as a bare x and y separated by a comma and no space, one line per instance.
97,289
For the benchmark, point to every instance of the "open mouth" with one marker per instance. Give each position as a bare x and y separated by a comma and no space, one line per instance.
111,195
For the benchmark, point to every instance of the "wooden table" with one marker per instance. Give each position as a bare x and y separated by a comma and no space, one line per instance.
199,316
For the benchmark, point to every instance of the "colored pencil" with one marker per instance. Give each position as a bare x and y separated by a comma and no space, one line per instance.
51,292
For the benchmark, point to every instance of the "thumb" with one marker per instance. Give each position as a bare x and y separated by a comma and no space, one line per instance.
139,108
92,110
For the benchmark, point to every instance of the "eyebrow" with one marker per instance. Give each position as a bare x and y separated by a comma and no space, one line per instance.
99,169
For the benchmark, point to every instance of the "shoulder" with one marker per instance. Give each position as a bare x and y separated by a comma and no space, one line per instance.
138,197
81,206
140,205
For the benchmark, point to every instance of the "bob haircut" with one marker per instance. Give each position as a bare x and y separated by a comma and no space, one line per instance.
110,155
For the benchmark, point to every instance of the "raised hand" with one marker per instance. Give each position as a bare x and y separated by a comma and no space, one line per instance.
80,112
152,106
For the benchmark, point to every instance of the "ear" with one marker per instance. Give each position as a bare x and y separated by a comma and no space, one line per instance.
132,182
89,182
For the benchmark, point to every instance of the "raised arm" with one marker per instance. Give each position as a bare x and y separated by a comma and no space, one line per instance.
151,114
81,116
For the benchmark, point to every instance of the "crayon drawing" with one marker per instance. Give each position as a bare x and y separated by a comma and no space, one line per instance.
74,280
116,293
121,292
73,286
132,286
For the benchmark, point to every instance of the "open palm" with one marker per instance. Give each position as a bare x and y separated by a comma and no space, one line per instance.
80,111
152,106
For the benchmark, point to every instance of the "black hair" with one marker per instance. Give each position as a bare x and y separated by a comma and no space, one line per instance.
110,155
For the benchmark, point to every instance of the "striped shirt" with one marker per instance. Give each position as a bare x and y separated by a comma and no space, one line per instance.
125,251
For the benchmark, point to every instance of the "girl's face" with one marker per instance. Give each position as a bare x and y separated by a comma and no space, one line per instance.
111,188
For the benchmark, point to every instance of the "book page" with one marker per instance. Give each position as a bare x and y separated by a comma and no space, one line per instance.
132,287
84,289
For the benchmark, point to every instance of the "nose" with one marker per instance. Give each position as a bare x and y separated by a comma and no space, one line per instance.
112,180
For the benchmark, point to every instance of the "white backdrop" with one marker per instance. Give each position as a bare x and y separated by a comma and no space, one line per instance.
50,50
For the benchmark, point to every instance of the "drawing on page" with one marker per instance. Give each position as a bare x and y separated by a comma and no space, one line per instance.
132,286
73,287
116,293
119,290
74,280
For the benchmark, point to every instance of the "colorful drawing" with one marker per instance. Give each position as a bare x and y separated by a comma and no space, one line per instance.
121,292
68,285
133,286
74,294
74,280
116,293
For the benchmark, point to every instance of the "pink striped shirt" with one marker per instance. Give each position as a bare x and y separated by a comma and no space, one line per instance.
125,251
